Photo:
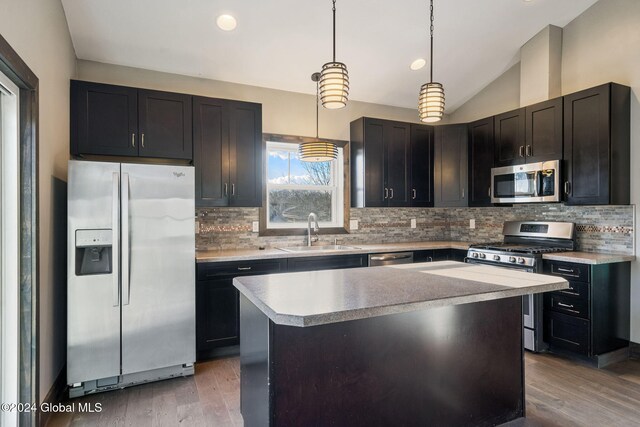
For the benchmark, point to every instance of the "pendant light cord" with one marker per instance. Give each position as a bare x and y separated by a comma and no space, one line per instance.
334,30
317,108
431,30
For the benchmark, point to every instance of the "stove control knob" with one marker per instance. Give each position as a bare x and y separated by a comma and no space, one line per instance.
475,255
482,256
512,259
520,260
496,257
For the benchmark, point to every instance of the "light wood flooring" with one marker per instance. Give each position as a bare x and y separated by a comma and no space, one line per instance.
559,392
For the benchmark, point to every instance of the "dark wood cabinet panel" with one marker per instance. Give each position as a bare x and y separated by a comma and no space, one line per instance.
380,163
509,139
217,302
397,142
544,131
211,151
422,164
104,119
227,152
314,263
480,161
165,126
245,154
597,145
450,169
567,332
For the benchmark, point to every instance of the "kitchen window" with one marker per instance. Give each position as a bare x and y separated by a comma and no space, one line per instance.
295,188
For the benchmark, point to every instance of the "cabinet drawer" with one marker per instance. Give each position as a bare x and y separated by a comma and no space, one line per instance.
566,332
214,270
576,289
567,304
326,262
570,271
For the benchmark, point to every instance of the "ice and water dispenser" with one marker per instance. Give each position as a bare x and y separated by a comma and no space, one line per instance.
94,249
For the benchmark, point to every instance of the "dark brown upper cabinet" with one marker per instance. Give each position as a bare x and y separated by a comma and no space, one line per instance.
450,169
480,161
227,152
509,139
544,131
380,163
422,163
123,121
597,146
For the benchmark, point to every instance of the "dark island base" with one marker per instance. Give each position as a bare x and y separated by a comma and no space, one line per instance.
458,365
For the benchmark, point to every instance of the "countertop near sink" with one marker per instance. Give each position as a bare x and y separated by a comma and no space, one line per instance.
253,254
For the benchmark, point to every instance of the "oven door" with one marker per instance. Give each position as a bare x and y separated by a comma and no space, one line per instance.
533,182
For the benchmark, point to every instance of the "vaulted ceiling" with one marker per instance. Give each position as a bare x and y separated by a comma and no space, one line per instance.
280,43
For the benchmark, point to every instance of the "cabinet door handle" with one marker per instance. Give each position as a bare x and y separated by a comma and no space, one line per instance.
521,151
430,259
414,194
226,189
233,189
565,270
133,140
391,197
463,193
244,268
529,151
142,140
489,192
386,193
567,188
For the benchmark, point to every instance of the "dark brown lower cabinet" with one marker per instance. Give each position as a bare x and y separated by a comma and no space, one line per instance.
592,317
217,309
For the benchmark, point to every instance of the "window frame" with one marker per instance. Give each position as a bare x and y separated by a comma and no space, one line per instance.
299,229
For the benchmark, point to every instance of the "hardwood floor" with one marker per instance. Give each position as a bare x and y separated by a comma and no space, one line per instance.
559,393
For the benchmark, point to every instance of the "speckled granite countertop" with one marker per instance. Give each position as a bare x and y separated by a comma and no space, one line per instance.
593,258
330,296
252,254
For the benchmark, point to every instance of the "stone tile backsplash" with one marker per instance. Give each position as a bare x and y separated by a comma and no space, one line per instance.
599,228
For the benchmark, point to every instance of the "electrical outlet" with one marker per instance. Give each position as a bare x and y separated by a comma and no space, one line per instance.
353,224
255,226
197,227
413,223
472,224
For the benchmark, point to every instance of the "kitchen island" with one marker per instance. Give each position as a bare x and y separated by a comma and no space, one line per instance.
416,344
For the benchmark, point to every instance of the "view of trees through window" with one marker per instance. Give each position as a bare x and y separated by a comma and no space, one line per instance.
295,188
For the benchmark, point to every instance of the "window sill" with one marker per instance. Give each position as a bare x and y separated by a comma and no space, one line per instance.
301,231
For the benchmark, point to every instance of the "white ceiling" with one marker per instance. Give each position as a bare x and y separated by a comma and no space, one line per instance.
280,43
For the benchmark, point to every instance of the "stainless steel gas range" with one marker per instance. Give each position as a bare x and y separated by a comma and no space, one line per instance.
523,245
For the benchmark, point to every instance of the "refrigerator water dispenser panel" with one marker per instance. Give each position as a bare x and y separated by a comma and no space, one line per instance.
94,252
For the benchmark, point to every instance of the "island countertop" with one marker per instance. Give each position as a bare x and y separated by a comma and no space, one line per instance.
331,296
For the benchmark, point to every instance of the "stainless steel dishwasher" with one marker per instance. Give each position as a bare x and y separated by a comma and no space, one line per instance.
392,258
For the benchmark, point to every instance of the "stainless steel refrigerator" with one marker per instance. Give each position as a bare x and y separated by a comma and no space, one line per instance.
131,284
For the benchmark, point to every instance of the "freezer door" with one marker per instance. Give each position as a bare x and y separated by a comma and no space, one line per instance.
93,306
158,266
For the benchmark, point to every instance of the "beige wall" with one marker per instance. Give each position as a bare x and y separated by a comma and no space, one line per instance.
599,46
37,30
282,112
540,62
503,94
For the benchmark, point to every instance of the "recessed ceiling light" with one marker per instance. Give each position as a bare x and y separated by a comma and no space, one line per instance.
227,22
418,63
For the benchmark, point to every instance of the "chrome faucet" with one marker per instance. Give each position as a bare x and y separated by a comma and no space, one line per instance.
316,228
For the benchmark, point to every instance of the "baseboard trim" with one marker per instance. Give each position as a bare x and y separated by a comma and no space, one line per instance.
55,395
634,350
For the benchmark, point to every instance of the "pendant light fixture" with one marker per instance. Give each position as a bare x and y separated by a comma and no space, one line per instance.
317,151
431,100
334,78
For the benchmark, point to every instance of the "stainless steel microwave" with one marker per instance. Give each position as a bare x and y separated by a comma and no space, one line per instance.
528,183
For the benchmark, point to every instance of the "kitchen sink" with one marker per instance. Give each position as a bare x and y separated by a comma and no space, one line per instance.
323,248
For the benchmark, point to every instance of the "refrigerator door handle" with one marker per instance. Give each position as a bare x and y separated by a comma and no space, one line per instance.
115,210
126,253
